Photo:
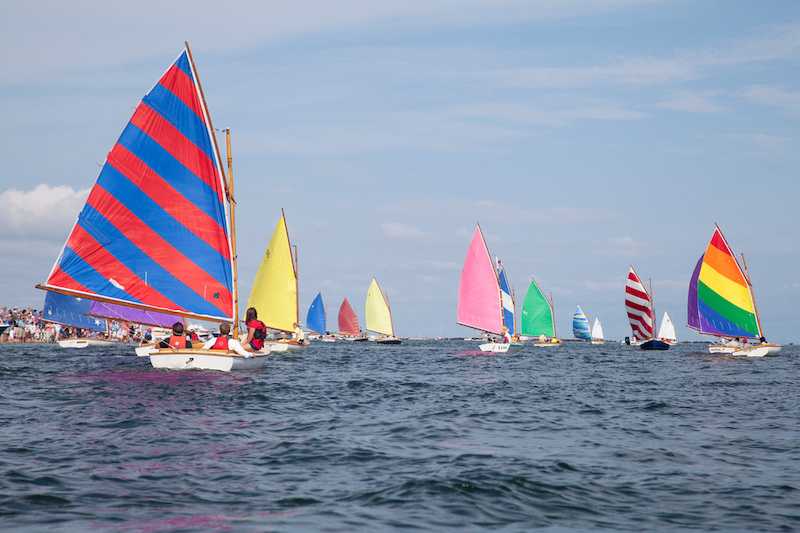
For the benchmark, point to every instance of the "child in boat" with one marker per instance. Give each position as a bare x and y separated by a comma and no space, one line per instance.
177,339
224,343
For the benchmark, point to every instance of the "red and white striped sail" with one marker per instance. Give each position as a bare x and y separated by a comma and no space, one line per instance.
639,307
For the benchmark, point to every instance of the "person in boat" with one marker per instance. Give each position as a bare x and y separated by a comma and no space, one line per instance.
298,334
506,336
224,343
177,339
256,330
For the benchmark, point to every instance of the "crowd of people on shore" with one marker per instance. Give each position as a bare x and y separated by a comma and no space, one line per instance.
27,325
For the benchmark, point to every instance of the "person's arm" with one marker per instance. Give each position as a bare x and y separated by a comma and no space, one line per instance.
210,343
251,332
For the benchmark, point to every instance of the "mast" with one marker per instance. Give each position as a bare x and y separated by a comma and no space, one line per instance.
232,204
552,310
391,321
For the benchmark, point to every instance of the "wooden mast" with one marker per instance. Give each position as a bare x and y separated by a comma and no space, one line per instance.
752,297
234,259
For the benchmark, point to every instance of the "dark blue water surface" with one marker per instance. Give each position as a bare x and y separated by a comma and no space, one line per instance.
427,436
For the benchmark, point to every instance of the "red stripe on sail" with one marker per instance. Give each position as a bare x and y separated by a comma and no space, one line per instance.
641,308
170,199
63,280
178,145
110,268
178,83
160,250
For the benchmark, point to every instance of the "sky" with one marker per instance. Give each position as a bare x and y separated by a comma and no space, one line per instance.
585,136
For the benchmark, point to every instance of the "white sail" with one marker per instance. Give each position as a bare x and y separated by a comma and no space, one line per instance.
667,330
597,331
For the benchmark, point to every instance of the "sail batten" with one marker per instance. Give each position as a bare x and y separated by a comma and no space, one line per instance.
154,231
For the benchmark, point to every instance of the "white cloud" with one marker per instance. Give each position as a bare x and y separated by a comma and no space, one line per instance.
771,96
693,102
43,213
400,232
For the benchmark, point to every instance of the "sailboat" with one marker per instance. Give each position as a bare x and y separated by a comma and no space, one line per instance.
507,298
348,323
537,317
721,302
74,311
274,292
666,331
639,306
597,332
480,304
316,319
154,233
580,325
379,315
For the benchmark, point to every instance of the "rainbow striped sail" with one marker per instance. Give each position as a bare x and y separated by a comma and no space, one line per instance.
723,300
154,231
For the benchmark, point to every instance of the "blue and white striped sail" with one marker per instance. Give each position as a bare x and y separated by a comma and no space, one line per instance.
70,311
508,300
580,325
315,320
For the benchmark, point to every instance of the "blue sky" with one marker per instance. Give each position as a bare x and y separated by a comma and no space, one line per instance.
584,136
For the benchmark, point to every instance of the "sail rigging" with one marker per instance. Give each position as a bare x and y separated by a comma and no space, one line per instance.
154,231
638,306
315,320
537,313
348,321
580,325
274,292
479,300
378,314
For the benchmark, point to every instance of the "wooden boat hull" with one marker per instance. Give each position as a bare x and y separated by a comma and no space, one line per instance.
501,347
547,344
654,344
86,342
199,359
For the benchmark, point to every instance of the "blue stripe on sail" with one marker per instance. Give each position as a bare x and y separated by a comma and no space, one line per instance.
70,311
176,112
138,262
580,326
173,172
725,326
157,219
183,63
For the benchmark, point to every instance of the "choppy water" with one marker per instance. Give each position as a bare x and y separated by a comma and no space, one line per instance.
426,436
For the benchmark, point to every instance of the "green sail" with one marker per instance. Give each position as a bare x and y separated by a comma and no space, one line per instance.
537,313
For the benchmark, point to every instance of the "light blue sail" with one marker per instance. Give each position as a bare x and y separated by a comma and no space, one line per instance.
580,325
315,320
508,301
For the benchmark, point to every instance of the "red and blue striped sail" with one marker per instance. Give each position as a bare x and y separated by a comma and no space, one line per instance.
154,231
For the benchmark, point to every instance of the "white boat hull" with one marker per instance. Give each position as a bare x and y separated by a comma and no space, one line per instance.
755,350
86,342
199,359
500,347
284,346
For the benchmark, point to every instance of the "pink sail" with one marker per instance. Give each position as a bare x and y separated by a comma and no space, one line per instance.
479,304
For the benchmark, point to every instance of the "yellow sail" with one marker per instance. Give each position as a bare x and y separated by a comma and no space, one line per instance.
379,318
274,293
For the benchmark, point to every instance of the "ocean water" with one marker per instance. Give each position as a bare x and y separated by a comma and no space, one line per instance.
425,436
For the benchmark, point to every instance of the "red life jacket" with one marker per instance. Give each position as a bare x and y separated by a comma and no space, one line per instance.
220,344
259,334
177,341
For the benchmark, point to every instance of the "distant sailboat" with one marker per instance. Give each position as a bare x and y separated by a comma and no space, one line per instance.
379,315
597,332
721,302
480,304
580,325
154,233
348,323
274,292
316,318
666,332
639,306
537,318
